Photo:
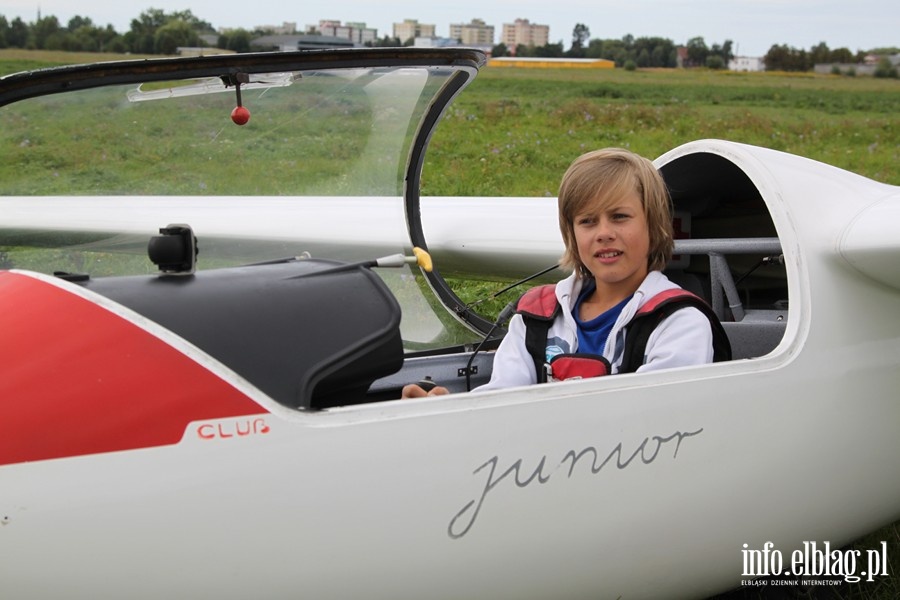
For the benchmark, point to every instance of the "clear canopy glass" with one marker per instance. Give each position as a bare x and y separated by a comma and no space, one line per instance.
324,166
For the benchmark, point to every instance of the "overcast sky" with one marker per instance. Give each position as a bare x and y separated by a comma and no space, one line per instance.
753,25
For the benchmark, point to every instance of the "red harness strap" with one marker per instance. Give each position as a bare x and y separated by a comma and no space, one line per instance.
664,296
577,366
653,312
539,302
539,307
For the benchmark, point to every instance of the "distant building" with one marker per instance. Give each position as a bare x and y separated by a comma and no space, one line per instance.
874,59
289,43
311,42
410,29
435,42
525,33
868,67
286,28
476,33
366,35
746,63
357,33
282,43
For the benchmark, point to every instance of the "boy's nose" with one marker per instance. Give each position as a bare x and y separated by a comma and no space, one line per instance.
605,230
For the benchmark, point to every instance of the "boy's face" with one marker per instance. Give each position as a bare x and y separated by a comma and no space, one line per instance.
613,242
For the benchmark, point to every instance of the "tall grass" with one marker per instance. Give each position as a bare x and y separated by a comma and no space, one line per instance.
15,60
513,132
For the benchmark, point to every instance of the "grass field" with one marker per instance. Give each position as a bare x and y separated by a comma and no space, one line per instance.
514,131
523,127
14,60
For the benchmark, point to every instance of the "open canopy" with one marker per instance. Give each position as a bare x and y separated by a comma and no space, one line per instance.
264,155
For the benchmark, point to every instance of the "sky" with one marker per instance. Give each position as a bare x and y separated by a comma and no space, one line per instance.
753,26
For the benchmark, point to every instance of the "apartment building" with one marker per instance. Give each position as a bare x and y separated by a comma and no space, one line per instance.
286,28
476,33
525,33
358,33
412,29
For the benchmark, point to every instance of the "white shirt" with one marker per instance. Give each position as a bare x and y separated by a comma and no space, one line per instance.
683,338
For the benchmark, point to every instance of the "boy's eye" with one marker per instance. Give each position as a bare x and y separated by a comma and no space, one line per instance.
585,220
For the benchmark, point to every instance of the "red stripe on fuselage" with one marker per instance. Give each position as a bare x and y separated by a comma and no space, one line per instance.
76,379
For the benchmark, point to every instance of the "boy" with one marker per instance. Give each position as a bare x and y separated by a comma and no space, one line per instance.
616,221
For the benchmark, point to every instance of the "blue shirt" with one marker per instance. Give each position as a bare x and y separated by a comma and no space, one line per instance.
592,334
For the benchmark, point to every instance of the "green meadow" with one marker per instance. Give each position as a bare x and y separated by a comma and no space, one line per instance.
514,131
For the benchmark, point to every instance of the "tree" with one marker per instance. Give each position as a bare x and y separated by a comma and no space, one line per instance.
113,41
77,22
196,24
776,58
613,50
885,69
715,61
237,40
83,39
549,50
385,42
581,35
643,59
841,55
659,57
172,35
141,37
653,52
820,54
17,36
43,31
180,28
727,53
595,49
697,51
785,58
500,50
723,52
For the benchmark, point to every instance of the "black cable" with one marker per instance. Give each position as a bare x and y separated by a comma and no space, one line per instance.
511,286
765,260
505,315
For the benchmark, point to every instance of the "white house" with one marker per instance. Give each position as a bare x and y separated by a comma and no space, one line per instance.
746,63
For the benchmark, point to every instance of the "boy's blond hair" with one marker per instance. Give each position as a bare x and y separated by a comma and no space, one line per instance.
605,176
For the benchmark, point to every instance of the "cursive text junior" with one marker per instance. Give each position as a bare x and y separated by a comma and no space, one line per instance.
647,450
